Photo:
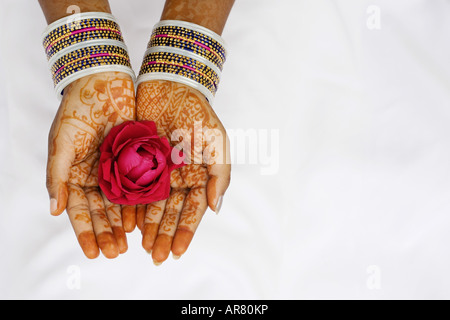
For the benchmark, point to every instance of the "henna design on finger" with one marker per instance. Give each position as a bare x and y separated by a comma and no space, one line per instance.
189,216
114,214
172,211
153,210
80,206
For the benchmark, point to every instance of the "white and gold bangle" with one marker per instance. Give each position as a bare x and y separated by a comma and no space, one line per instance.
82,45
186,53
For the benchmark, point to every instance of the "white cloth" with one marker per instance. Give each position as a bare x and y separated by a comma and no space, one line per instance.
358,94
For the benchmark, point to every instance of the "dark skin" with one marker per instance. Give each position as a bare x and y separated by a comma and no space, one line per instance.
212,15
72,184
56,9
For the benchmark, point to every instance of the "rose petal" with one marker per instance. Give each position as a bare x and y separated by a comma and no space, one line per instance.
151,127
132,141
115,189
158,154
160,189
148,177
133,197
147,164
106,188
128,159
145,151
160,144
104,169
109,139
116,185
105,155
132,130
153,174
130,185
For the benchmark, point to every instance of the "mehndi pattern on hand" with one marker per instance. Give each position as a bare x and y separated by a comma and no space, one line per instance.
90,107
170,225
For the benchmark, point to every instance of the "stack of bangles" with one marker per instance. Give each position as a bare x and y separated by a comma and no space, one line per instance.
178,51
186,53
82,45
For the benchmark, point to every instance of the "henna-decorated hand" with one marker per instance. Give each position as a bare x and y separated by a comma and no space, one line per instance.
185,117
90,107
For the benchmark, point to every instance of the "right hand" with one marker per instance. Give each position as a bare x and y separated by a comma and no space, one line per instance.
89,109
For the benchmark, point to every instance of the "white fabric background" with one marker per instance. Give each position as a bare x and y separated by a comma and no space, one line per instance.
364,160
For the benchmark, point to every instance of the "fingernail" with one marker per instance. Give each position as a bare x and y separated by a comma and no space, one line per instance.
176,257
157,263
219,204
53,205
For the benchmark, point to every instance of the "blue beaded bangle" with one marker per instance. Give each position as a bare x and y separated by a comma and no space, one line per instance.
187,53
82,45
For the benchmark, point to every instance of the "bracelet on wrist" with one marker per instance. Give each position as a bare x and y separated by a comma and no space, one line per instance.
187,53
82,45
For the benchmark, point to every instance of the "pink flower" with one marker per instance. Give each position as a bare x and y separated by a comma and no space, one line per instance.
135,164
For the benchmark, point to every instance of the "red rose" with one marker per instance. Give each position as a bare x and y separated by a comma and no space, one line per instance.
135,164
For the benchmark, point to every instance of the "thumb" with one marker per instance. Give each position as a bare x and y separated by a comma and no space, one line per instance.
217,156
219,180
58,168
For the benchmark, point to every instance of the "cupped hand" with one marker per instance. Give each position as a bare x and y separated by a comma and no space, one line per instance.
185,117
90,107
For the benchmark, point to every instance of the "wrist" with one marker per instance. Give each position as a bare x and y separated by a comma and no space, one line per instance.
211,14
164,101
99,82
100,99
57,9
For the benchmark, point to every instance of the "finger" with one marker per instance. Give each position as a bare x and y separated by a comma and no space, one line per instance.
129,218
153,216
176,180
113,212
219,180
103,231
140,216
78,212
194,208
59,162
168,226
217,158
